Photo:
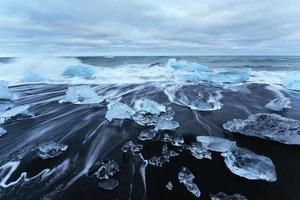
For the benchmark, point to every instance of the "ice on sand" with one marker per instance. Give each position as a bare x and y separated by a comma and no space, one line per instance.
118,111
164,158
149,106
267,126
82,94
217,144
186,177
164,124
16,113
51,149
199,151
147,134
169,185
131,147
278,104
250,165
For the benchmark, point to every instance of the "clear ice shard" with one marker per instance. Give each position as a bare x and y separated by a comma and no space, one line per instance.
82,94
2,131
217,144
164,158
194,98
82,70
106,169
292,80
16,113
149,106
118,111
223,196
131,147
145,118
5,93
199,151
164,124
169,185
186,177
267,126
51,149
278,104
147,134
108,184
250,165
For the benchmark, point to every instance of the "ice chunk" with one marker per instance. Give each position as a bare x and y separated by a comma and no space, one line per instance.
186,177
232,77
169,185
217,144
108,184
144,118
5,93
267,126
32,77
164,158
164,124
118,111
292,80
199,151
223,196
194,98
147,134
174,140
84,71
51,149
106,169
2,131
16,113
250,165
183,65
278,104
82,94
131,147
149,106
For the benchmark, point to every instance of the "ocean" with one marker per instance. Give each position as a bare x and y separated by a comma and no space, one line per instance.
230,87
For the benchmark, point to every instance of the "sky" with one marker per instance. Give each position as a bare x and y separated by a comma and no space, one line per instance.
149,27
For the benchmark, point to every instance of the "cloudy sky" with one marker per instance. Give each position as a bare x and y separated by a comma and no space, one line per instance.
149,27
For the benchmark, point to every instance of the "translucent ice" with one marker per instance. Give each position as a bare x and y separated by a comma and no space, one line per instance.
82,94
32,77
149,106
199,151
2,131
186,177
223,196
106,169
147,134
131,147
51,149
183,65
5,93
118,111
144,118
234,76
267,126
194,98
84,71
16,113
292,80
164,124
278,104
174,140
250,165
217,144
169,185
164,158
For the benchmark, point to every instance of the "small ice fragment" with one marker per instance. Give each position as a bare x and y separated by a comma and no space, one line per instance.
108,184
2,131
83,70
199,151
292,80
51,149
131,147
16,113
106,169
149,106
169,185
164,158
278,104
250,165
223,196
144,118
118,111
82,94
217,144
164,124
186,177
5,93
267,126
147,134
